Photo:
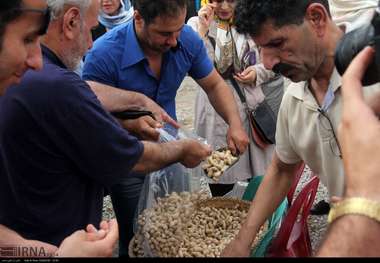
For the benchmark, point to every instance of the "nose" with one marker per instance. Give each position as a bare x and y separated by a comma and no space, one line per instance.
172,40
269,58
34,57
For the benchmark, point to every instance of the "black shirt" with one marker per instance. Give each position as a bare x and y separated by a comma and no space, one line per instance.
58,149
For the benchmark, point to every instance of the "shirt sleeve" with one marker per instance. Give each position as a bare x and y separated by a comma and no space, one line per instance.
92,138
202,65
284,149
98,67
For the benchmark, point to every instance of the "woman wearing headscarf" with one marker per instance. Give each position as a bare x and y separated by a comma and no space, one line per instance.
113,13
237,59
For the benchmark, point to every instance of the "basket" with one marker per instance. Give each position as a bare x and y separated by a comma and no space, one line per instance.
215,202
224,202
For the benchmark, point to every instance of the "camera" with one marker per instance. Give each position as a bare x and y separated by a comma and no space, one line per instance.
353,42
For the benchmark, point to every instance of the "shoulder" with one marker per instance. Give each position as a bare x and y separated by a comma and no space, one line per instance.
189,38
54,82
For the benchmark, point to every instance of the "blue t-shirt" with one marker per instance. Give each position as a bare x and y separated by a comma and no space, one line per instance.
117,59
58,150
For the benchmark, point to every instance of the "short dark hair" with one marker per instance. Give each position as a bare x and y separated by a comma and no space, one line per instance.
8,13
252,14
150,9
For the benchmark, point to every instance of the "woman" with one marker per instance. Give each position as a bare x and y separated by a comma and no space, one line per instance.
113,13
236,58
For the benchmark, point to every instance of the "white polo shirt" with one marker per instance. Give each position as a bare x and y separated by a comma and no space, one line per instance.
303,133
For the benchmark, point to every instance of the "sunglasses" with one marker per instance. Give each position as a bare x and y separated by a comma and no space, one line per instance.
221,1
46,15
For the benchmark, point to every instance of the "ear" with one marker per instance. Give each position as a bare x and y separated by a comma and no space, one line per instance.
318,17
71,23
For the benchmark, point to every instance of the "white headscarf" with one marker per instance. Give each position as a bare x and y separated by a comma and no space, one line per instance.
352,13
124,15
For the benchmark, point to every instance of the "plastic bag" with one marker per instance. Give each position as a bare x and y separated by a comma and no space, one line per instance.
174,178
238,190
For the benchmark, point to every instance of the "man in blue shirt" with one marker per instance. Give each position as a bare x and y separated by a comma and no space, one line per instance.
59,148
152,54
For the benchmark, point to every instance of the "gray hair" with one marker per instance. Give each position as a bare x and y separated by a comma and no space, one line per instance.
57,6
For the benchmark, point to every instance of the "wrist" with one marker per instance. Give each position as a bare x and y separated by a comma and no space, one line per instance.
373,195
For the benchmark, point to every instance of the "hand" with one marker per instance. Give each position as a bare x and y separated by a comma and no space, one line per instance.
236,248
193,152
248,76
359,133
237,139
159,113
92,243
206,16
144,127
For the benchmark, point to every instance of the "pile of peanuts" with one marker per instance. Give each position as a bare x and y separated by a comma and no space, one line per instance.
176,227
218,162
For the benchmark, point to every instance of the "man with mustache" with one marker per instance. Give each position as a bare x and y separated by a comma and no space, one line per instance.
59,148
298,39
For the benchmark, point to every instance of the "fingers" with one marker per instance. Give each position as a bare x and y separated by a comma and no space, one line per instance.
335,199
166,118
113,233
104,225
91,229
232,146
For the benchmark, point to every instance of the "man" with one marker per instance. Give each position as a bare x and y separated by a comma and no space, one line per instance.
356,232
300,44
72,148
21,25
152,54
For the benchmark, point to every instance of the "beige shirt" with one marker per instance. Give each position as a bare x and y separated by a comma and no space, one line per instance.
303,133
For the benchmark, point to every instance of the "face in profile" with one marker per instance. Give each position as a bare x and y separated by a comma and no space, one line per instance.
294,51
20,49
110,7
224,9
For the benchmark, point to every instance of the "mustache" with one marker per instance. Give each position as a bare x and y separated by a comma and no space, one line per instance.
282,68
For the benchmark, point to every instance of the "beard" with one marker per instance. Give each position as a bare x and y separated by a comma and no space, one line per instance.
72,56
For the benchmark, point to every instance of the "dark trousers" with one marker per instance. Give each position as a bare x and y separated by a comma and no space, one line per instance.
125,197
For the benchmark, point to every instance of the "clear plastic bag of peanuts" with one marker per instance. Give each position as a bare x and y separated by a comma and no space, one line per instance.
175,181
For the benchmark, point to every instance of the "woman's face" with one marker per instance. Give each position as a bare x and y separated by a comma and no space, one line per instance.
110,7
224,8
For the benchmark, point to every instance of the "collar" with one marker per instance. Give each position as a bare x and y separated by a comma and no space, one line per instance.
301,89
50,55
133,53
302,92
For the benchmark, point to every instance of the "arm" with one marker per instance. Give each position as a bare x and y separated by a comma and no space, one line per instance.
223,101
115,100
271,193
9,237
357,235
155,156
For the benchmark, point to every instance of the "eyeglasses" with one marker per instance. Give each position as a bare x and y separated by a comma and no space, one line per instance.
327,125
46,15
